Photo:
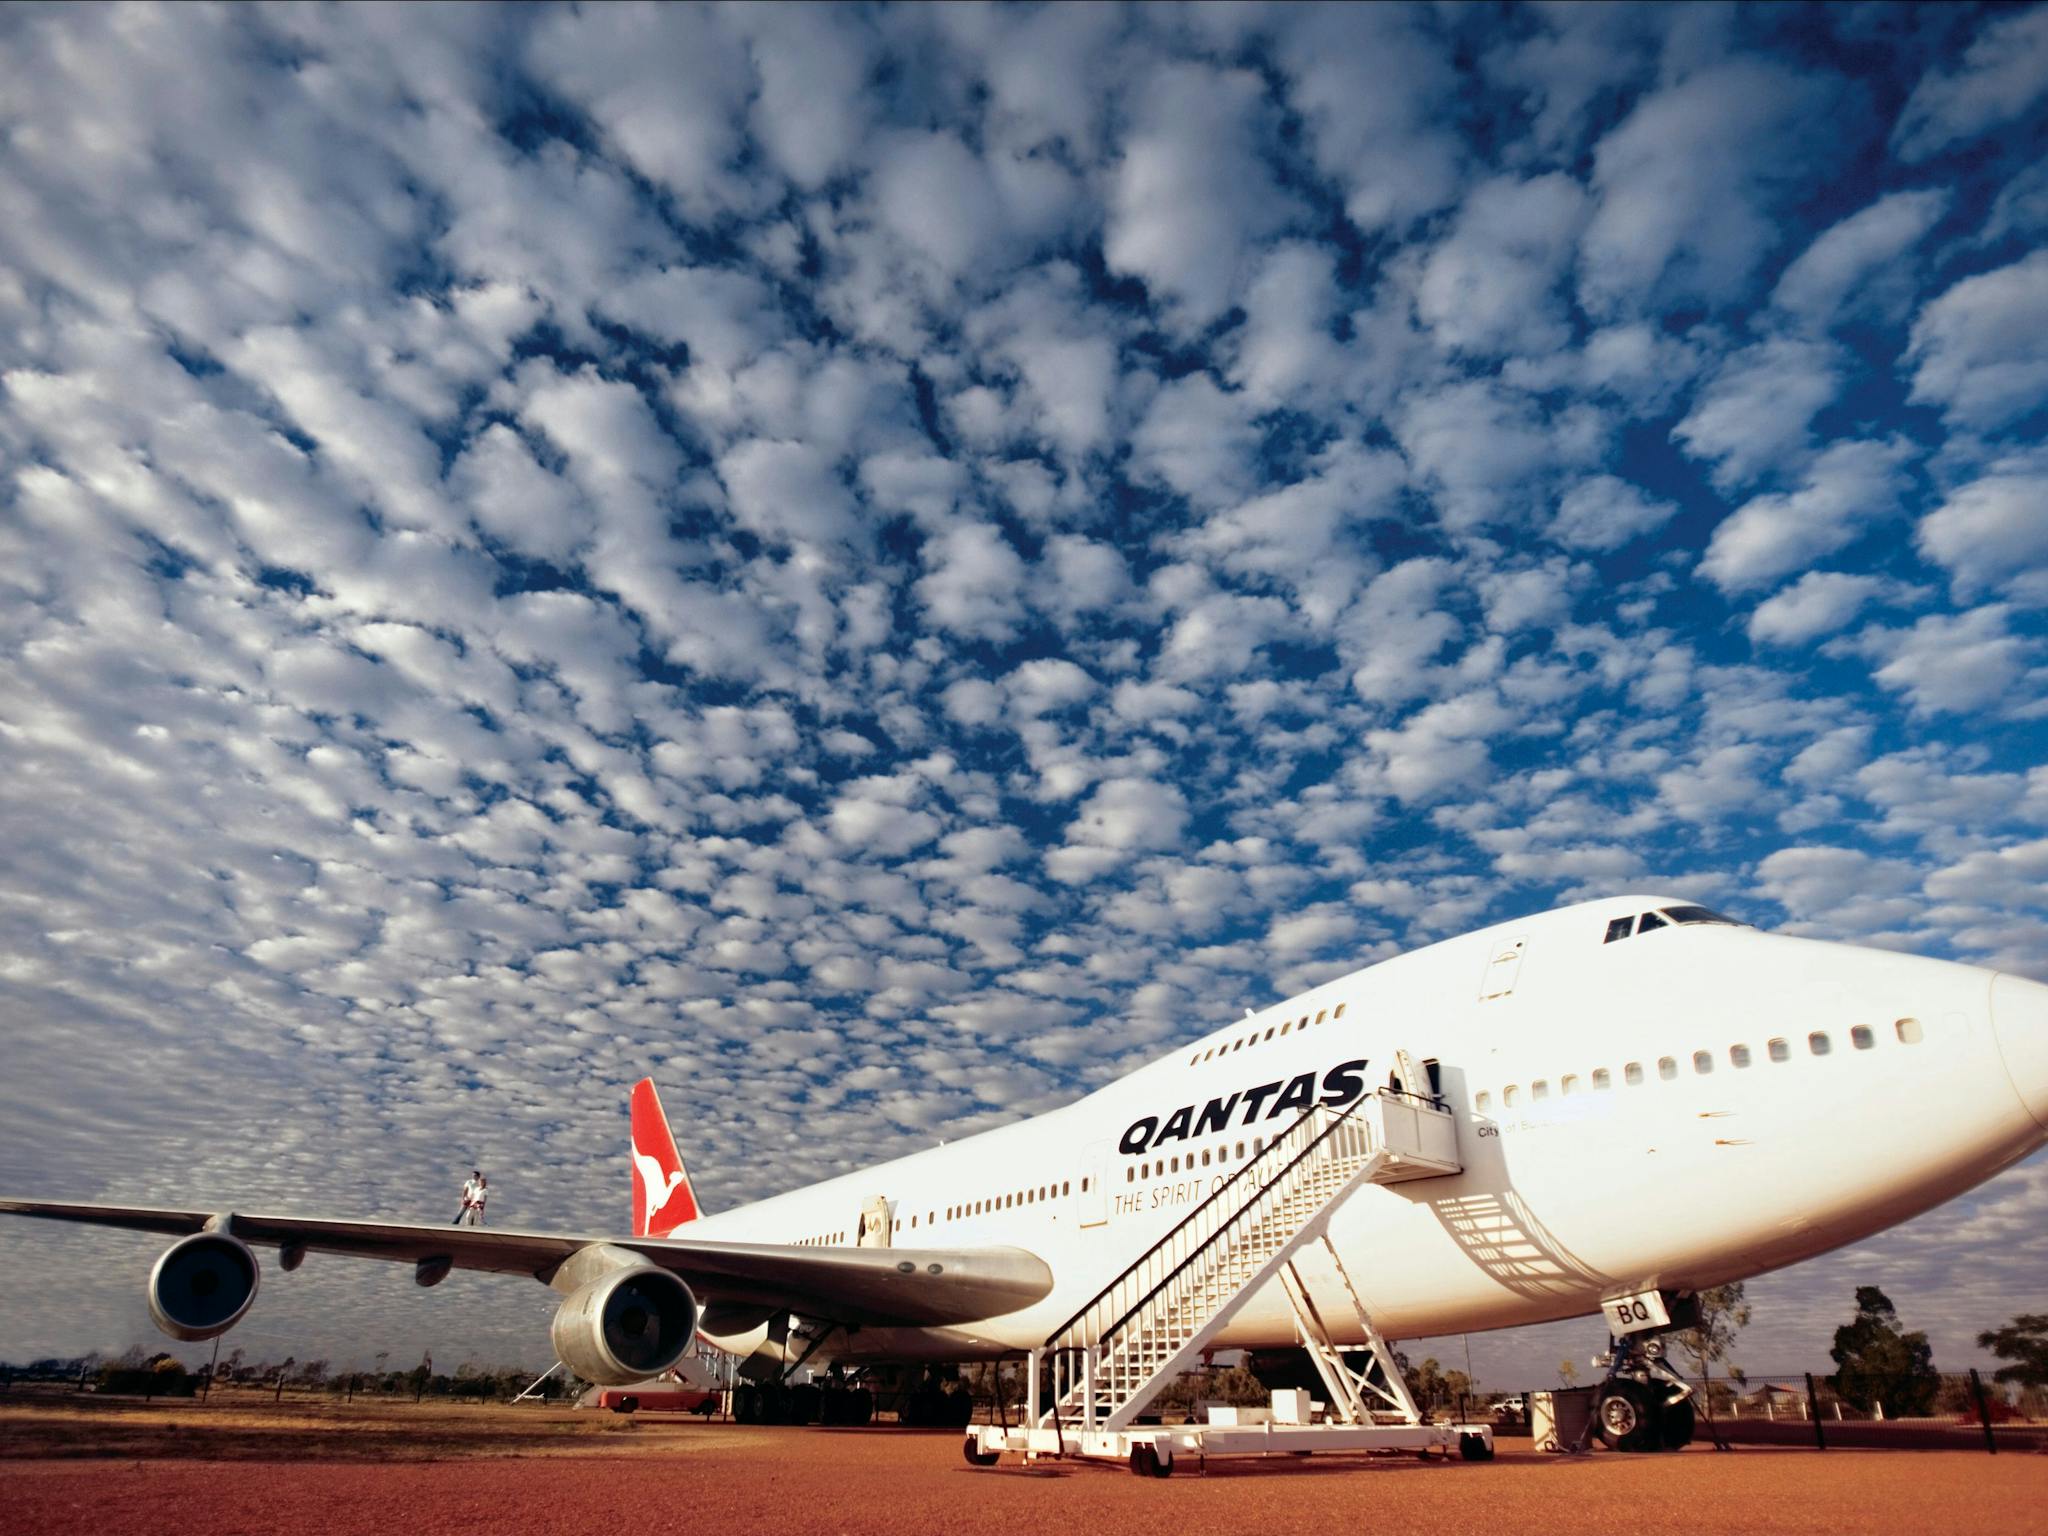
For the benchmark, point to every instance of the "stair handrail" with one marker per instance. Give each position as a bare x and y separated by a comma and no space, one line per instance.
1337,1121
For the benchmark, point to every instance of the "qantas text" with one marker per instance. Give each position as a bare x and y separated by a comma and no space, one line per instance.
1341,1084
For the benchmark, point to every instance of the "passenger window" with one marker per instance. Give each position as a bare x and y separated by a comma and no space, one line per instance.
1862,1038
1240,1149
1817,1042
1339,1013
1620,928
1908,1031
1568,1085
1650,920
1601,1081
1269,1034
1779,1050
1320,1014
1632,1074
1540,1089
1067,1186
1482,1103
1130,1175
1287,1026
1666,1068
1205,1157
1738,1055
1703,1062
1508,1096
1144,1170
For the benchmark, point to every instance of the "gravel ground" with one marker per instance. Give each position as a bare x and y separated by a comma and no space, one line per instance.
722,1479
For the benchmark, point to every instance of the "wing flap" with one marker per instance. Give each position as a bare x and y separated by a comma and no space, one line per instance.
910,1287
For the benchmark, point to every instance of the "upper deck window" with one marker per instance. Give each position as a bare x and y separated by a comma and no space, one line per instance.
1699,915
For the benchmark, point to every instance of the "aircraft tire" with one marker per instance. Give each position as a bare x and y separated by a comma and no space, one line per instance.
627,1404
1626,1418
1677,1425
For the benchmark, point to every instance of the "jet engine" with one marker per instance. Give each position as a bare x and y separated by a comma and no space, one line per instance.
625,1326
202,1285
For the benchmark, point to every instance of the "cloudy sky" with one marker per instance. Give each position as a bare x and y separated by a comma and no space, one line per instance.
886,565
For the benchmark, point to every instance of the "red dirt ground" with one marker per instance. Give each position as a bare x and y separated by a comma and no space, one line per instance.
720,1478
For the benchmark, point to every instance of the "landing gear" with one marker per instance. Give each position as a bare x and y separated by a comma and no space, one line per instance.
1642,1405
1627,1420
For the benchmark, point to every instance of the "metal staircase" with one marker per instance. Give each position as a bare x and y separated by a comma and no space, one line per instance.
1154,1320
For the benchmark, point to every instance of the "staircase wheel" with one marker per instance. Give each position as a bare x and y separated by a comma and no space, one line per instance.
1474,1448
1145,1460
976,1456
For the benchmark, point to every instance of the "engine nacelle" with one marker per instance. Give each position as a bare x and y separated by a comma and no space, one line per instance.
202,1285
625,1326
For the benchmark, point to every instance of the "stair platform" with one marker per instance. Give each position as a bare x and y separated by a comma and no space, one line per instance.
1170,1444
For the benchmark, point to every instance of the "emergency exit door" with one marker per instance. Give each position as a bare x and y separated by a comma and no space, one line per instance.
1091,1196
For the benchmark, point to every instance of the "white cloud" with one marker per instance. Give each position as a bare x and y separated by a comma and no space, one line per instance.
2003,73
1993,531
1859,259
975,584
1198,440
1754,414
1673,222
1979,348
787,492
1480,447
1190,194
1370,81
1818,603
664,83
1491,285
1952,663
1850,488
1605,512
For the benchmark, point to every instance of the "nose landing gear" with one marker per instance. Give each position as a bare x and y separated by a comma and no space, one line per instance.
1642,1405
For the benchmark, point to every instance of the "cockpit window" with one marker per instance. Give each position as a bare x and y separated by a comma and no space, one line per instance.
1698,915
1624,927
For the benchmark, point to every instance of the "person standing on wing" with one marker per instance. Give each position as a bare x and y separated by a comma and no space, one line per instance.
471,1191
476,1204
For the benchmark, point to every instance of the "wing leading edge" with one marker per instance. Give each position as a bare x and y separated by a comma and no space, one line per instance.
905,1287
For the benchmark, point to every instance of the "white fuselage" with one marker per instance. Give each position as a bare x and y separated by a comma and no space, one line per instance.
1613,1139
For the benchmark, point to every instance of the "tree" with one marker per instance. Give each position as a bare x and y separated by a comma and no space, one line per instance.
2024,1341
1879,1368
1723,1313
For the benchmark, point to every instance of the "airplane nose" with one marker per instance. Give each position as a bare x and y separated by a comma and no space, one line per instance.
2019,1018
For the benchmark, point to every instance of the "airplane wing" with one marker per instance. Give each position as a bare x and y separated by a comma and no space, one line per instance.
910,1287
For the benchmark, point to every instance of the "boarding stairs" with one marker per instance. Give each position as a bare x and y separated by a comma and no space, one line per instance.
1155,1319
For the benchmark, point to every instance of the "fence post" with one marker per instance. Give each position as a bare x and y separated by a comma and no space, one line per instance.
1983,1411
1820,1438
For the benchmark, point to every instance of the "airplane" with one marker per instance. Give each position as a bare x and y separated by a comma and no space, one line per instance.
1636,1099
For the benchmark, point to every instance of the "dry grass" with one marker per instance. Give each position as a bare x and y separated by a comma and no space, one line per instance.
249,1427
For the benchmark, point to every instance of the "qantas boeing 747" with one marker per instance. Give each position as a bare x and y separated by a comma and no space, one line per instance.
1610,1107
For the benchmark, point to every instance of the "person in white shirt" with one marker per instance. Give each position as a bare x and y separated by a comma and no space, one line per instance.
472,1200
476,1201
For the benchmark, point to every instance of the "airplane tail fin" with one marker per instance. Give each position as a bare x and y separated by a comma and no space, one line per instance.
662,1197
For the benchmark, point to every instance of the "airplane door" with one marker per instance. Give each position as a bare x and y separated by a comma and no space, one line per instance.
1503,969
873,1231
1091,1194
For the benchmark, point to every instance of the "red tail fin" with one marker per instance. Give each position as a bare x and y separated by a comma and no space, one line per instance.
662,1197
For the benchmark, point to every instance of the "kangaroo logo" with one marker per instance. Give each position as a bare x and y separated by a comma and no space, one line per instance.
651,1179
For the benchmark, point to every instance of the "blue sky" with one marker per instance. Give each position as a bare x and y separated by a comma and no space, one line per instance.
887,565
